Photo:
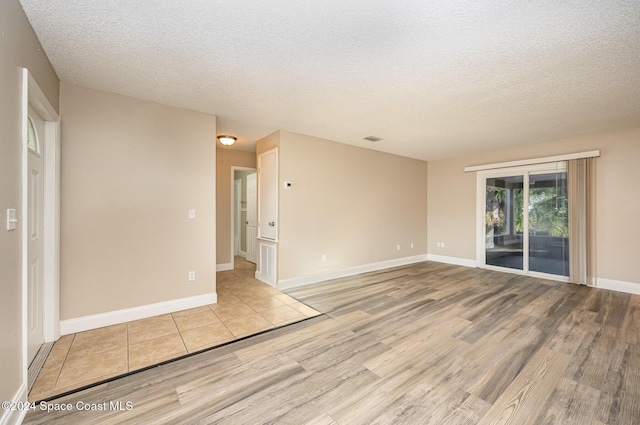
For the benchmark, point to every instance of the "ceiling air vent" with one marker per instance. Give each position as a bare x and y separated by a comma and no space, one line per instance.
372,138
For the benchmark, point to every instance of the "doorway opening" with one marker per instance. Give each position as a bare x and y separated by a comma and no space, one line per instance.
244,217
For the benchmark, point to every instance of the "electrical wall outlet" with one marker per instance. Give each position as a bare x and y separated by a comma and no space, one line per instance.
324,257
412,245
398,247
192,276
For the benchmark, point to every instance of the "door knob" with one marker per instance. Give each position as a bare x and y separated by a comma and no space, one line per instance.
272,223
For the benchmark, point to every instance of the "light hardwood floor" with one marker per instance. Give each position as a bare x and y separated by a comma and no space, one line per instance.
428,343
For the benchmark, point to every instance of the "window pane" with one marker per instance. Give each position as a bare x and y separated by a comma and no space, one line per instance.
32,141
503,231
548,224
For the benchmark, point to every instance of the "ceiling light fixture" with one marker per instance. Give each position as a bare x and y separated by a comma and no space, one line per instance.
227,140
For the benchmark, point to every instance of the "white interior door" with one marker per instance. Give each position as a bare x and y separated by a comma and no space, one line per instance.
268,195
237,195
252,199
35,230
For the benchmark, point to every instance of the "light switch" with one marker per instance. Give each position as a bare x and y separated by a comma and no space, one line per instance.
12,221
192,214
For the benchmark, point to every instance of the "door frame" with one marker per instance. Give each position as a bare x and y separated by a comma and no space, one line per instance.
233,200
525,171
33,96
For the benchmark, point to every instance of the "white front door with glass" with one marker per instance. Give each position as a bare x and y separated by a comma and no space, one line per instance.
523,222
35,230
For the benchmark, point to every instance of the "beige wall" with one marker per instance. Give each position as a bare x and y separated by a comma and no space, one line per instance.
452,200
265,144
227,158
19,47
352,204
131,170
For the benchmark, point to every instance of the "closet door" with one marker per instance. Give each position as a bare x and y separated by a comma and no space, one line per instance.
268,195
252,243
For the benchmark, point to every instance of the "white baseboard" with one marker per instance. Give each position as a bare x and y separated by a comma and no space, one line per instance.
451,260
242,253
128,314
350,271
12,417
618,285
224,267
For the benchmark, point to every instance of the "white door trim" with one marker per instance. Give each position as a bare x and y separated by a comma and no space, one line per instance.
233,224
33,96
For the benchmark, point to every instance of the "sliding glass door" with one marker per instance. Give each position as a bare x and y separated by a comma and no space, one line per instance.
525,225
548,223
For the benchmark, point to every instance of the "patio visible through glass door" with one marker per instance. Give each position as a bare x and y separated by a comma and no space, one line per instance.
549,224
526,224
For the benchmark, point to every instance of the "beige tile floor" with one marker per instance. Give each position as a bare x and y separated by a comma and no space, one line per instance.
245,306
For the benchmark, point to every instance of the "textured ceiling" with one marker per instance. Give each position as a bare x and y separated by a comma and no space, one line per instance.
434,79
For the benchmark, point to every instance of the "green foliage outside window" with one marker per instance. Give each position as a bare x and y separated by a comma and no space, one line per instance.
495,216
548,212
